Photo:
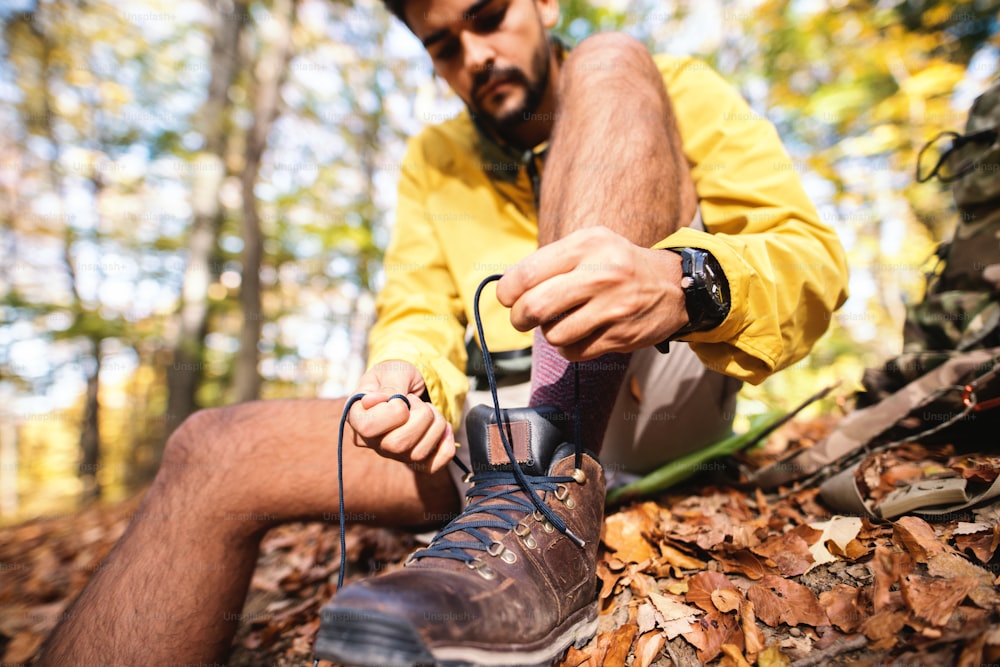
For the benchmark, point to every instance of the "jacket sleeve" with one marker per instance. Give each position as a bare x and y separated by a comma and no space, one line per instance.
786,269
419,316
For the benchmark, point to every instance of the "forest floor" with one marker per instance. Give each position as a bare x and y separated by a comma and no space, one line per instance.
706,574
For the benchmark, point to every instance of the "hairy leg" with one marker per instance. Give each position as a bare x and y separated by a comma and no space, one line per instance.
615,160
171,589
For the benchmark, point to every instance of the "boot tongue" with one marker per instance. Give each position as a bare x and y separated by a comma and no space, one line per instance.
532,432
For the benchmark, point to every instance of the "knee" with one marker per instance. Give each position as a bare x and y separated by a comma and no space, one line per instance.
613,54
198,448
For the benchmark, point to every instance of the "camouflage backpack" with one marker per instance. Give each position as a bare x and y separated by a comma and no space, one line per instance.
945,385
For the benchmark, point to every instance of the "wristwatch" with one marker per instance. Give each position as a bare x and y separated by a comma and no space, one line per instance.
706,293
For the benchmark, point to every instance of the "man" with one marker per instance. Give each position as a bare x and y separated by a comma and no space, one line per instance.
625,266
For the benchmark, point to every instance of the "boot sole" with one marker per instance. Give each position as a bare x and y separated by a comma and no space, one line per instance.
374,639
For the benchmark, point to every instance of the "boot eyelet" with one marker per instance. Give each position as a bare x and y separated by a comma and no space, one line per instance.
495,549
570,503
579,476
508,557
524,533
538,516
548,527
562,492
481,568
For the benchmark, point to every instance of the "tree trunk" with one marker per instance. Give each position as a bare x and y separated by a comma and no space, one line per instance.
190,323
269,74
90,432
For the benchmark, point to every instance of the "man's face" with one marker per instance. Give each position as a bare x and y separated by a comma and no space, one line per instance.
493,53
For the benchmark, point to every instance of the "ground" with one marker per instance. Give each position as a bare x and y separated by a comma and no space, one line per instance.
711,573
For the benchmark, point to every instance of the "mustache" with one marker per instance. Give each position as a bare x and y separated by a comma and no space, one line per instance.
492,75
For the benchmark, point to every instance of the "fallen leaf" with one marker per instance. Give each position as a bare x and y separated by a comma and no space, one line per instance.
952,565
889,566
918,537
790,551
777,600
701,585
726,599
645,617
734,655
710,632
839,532
575,658
883,628
753,638
623,535
647,648
773,657
621,644
673,617
983,544
934,599
841,605
744,562
678,558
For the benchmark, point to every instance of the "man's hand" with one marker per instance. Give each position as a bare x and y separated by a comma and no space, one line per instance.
594,292
418,435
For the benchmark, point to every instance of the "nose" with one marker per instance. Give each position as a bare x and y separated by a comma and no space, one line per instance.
479,54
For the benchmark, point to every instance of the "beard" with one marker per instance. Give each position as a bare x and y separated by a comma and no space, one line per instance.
534,84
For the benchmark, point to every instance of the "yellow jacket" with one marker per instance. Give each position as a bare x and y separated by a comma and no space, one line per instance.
466,210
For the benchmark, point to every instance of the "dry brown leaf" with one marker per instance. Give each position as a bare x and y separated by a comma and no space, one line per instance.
678,558
773,657
22,648
983,544
623,535
576,658
852,551
753,638
733,656
790,551
837,534
675,618
918,537
645,617
777,600
726,599
701,585
608,579
621,644
744,562
889,566
710,632
841,605
952,565
647,648
934,599
883,628
976,467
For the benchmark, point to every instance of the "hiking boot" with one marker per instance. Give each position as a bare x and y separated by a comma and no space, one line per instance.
510,581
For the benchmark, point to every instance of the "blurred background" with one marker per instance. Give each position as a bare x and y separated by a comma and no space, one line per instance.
195,195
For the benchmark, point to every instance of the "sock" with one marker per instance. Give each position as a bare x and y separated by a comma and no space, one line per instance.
552,383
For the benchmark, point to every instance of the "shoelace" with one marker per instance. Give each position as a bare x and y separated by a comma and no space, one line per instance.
486,486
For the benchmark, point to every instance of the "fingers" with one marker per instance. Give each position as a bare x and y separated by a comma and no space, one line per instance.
404,428
548,261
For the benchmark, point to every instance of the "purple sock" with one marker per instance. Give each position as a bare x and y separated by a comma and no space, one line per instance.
553,383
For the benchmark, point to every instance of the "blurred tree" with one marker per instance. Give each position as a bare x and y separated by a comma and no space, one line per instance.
190,325
268,75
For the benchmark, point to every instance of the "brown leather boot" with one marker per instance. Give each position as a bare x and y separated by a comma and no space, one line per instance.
508,582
